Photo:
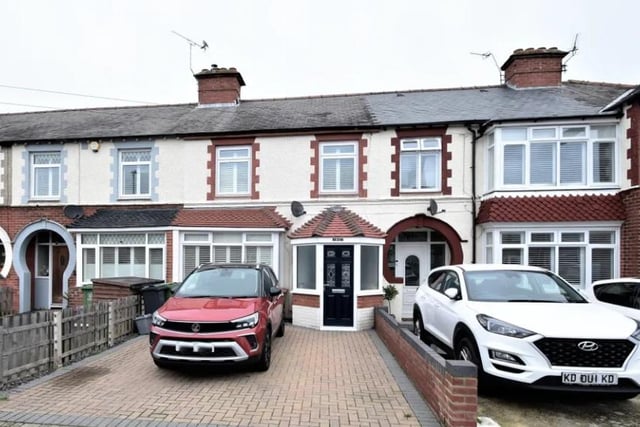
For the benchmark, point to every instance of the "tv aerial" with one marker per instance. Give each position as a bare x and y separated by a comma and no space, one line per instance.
572,52
203,46
486,55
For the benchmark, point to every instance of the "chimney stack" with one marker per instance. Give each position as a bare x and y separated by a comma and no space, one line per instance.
219,86
531,67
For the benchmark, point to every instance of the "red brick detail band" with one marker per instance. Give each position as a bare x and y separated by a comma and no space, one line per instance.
305,300
368,301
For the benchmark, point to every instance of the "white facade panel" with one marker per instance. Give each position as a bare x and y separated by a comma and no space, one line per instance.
308,317
285,168
183,172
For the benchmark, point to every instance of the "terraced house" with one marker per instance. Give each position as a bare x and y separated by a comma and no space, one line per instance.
341,195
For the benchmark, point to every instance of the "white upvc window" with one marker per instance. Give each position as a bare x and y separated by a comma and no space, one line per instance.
45,175
552,156
580,256
338,167
420,164
122,254
226,247
135,173
233,169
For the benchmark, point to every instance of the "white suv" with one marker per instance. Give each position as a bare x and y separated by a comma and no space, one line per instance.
527,325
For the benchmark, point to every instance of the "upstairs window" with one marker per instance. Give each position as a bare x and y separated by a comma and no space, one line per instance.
45,174
135,176
558,156
338,167
420,164
232,171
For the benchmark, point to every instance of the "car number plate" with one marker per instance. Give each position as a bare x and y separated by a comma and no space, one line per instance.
589,378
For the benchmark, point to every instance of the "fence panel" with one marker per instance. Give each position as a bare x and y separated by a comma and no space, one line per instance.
26,346
124,313
6,301
85,331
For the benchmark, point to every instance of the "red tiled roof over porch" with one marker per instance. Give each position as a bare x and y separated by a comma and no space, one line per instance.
263,217
337,221
552,209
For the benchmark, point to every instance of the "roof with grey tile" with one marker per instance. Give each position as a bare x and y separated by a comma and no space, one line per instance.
261,217
339,112
337,221
552,209
126,218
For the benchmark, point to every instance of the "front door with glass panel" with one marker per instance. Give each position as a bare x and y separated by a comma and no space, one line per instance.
414,260
338,286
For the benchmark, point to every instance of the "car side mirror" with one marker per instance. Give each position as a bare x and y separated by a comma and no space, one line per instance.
274,291
452,293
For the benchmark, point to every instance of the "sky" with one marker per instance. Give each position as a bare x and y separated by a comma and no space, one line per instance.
148,50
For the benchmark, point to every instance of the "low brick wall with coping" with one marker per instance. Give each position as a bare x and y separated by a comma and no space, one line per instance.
450,387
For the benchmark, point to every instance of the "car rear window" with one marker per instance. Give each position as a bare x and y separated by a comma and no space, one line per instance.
221,282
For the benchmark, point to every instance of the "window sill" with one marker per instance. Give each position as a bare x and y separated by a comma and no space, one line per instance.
313,292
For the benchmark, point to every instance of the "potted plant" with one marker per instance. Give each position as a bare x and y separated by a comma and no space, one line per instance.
390,292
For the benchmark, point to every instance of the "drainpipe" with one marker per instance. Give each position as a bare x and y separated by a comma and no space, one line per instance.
476,133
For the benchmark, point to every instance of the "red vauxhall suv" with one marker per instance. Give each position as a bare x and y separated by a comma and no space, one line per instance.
221,313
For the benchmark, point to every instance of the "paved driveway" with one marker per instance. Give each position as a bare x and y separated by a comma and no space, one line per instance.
316,379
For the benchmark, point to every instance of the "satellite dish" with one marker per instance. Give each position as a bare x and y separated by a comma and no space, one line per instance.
433,207
297,209
73,211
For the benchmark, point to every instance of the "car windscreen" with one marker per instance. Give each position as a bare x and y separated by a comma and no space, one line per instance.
221,283
519,286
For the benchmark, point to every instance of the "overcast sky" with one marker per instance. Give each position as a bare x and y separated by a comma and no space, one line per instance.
129,49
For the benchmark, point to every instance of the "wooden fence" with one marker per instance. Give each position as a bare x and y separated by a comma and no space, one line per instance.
33,344
6,300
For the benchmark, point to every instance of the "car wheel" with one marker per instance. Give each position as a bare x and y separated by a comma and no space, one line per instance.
280,332
466,349
418,329
265,358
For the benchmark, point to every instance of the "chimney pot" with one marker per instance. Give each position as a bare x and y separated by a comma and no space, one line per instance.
534,67
219,86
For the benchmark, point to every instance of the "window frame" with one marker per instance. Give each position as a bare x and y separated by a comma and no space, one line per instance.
420,150
218,174
245,239
34,167
138,164
94,243
338,156
493,239
497,141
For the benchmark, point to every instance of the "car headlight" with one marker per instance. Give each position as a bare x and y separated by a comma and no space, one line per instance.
247,322
157,320
502,328
636,334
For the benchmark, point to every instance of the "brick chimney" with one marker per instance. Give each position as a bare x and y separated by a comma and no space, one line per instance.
219,86
531,67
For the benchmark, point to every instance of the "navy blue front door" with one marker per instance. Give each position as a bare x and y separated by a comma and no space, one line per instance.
338,285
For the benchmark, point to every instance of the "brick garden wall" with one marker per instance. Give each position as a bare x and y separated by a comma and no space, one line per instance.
450,387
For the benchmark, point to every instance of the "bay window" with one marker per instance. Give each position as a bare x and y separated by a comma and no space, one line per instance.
226,247
579,256
122,254
551,156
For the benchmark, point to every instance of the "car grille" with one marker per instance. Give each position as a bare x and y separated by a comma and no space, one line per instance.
565,352
188,351
204,326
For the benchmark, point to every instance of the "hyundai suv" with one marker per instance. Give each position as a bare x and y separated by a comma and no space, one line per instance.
221,313
527,326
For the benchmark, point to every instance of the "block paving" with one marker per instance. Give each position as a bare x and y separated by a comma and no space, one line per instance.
317,378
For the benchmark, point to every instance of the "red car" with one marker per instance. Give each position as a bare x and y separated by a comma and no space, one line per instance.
221,313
